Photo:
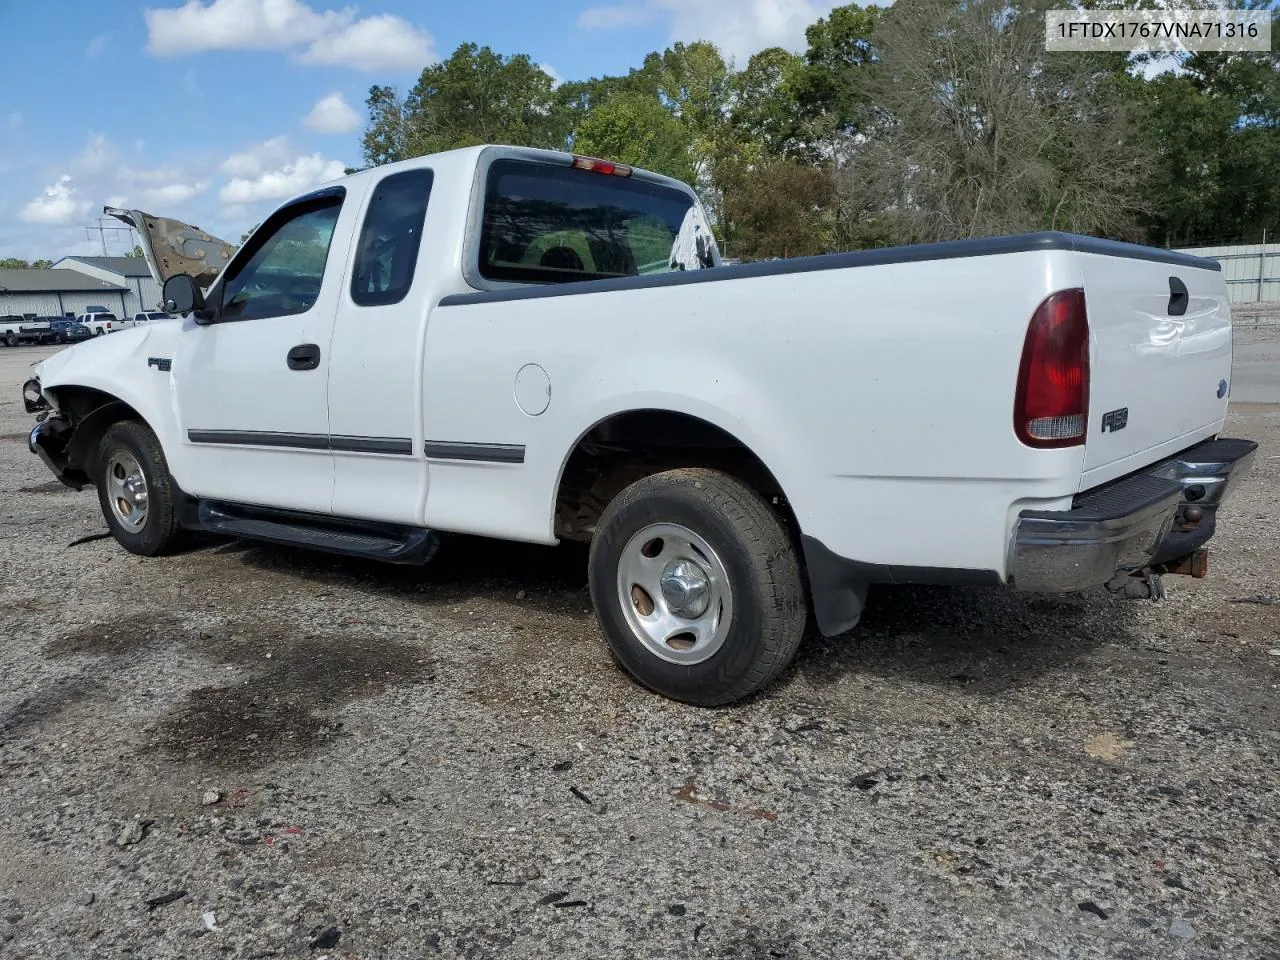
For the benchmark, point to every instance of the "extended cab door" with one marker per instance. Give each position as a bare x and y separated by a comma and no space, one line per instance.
375,380
251,384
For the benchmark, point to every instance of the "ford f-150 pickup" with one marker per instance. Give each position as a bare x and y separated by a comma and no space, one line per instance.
537,346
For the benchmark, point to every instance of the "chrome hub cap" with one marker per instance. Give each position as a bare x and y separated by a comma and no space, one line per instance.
675,594
686,588
127,490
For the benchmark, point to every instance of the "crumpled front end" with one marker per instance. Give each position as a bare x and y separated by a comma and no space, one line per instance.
49,440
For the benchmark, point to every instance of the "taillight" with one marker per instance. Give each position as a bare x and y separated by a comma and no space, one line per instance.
1052,404
592,165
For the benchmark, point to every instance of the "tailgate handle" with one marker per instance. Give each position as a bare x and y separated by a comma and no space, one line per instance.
1178,297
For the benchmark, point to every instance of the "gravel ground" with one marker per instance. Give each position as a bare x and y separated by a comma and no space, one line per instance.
246,751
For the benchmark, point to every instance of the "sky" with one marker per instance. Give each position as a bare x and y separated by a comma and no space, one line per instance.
214,111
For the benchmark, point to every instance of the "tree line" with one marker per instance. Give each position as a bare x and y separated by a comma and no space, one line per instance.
924,120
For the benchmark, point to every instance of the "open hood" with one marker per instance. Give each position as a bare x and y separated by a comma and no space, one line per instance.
173,247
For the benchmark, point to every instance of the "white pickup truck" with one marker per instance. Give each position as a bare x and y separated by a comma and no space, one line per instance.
535,346
101,323
15,330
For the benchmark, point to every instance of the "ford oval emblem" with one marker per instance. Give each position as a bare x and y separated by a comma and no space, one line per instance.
1222,389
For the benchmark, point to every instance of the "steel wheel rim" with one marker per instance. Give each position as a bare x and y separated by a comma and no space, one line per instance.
675,594
127,490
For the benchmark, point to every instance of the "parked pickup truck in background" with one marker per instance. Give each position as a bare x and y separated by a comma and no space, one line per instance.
15,330
535,346
100,324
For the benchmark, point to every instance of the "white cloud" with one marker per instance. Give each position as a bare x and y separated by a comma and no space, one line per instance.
739,29
329,37
258,158
291,178
59,204
550,71
383,42
98,155
332,114
159,190
237,25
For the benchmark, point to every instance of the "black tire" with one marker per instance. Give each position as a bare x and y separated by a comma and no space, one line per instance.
769,609
11,340
159,528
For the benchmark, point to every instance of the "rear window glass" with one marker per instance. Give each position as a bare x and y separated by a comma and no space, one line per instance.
550,224
390,238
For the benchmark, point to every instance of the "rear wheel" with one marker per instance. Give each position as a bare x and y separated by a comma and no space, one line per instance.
11,339
135,490
697,586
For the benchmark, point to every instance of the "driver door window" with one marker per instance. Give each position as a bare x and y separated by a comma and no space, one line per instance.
256,419
282,276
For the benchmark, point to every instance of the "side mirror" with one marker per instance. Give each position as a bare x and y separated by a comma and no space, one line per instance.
182,296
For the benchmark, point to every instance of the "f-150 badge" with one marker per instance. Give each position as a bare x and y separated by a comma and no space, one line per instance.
1115,420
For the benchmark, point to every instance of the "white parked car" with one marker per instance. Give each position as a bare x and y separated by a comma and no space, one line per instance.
534,346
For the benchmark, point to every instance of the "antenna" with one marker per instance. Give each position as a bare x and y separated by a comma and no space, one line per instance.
102,230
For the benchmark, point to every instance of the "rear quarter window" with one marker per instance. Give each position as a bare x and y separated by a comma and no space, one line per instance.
387,251
550,224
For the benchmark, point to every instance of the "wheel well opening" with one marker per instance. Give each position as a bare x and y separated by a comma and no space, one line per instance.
629,446
91,412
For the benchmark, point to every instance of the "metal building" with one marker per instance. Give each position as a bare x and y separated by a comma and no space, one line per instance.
132,273
58,293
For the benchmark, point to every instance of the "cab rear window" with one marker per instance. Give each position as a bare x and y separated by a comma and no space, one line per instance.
550,224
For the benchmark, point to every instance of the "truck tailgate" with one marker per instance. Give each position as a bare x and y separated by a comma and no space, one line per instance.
1160,366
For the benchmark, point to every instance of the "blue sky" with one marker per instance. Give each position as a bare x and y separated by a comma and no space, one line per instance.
215,110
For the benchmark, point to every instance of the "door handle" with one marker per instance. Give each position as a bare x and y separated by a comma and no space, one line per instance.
305,356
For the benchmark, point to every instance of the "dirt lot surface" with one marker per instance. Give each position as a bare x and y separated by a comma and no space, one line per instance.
244,751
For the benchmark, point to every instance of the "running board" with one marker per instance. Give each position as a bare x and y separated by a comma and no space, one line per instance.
351,538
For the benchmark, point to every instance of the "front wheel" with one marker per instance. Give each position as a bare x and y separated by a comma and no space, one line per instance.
135,490
697,586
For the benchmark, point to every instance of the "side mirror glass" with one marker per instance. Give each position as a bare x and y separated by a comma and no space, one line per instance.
182,296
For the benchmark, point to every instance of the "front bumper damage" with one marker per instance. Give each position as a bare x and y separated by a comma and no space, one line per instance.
1154,520
50,440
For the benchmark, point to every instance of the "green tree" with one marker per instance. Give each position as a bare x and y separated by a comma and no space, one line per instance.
637,130
386,137
13,263
980,132
476,96
1213,135
834,92
41,264
779,208
764,115
135,253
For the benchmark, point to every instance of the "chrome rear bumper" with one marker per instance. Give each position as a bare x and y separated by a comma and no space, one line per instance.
1161,514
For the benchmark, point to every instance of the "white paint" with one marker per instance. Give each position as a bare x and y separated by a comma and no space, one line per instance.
881,397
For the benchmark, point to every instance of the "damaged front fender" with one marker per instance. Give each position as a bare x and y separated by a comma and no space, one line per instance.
49,440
